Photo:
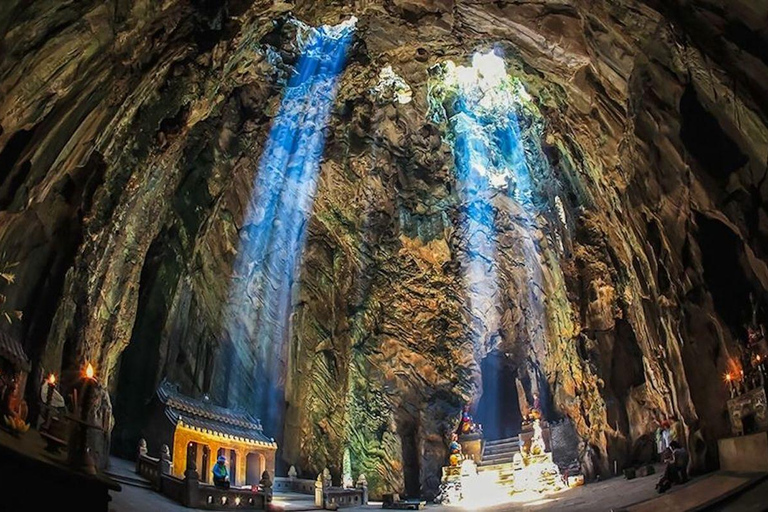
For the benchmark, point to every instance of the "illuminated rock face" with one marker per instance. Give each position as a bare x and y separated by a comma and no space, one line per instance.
131,137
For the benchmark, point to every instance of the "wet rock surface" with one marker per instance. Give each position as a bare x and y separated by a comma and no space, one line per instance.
130,139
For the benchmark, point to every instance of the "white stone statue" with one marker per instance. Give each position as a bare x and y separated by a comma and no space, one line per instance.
537,443
346,480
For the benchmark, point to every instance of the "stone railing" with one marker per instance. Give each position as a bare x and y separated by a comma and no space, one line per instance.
297,485
191,493
149,468
331,498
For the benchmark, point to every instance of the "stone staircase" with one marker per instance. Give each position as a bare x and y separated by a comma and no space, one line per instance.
123,472
498,457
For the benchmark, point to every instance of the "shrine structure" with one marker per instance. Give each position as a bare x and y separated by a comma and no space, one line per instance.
199,431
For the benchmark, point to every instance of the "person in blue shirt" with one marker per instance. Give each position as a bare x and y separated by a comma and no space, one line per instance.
220,473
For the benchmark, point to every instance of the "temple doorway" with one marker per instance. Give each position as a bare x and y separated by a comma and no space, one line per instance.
255,464
499,409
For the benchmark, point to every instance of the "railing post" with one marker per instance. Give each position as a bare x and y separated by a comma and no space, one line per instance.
191,486
266,486
142,453
165,460
319,502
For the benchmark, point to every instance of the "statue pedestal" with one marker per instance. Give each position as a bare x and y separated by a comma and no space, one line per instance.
472,446
451,473
527,435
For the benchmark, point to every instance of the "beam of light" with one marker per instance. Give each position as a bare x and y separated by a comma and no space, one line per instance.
274,230
484,131
479,105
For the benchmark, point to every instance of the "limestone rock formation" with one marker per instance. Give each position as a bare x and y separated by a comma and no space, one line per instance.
130,139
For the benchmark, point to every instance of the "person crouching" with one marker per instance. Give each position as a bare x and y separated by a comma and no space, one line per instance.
220,473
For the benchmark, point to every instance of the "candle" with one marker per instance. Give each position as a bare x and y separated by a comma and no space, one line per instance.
51,386
79,455
729,380
90,388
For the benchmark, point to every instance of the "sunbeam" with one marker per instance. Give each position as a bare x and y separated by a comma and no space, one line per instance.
274,231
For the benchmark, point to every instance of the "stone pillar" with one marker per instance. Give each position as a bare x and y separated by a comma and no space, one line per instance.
199,460
242,458
319,489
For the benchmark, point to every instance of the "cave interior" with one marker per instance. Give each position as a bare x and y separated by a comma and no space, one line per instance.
353,220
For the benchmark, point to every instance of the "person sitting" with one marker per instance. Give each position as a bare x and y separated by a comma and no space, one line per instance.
679,463
676,471
220,473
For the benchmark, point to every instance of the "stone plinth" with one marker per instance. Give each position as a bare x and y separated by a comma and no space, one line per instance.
472,446
527,434
744,453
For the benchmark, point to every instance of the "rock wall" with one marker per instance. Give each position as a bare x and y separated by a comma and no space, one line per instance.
130,136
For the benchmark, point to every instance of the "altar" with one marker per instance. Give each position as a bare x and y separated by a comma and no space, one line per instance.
486,473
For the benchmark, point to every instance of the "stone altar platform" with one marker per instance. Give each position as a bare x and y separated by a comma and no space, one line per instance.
747,454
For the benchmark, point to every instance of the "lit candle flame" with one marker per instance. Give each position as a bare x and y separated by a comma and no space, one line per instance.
89,371
52,379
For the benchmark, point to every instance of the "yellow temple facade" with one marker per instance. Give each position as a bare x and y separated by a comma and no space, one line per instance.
199,432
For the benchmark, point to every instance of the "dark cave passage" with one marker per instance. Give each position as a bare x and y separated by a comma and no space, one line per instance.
499,409
411,457
722,255
703,136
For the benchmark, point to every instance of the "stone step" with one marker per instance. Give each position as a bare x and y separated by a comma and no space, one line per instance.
133,481
501,467
497,457
506,451
497,442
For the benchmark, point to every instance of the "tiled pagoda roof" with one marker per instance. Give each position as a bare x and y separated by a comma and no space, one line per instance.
207,417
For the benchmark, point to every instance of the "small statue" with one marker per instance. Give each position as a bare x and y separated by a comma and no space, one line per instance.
362,484
166,465
455,449
142,447
142,453
537,442
326,478
346,478
266,485
467,425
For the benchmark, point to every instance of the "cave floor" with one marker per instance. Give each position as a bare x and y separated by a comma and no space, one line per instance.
638,495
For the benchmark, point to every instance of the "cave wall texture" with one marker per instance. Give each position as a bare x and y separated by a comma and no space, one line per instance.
131,130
